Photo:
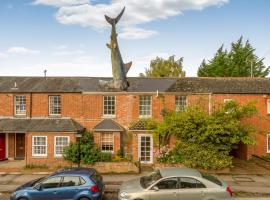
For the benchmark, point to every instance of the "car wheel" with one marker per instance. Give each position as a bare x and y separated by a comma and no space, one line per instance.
84,198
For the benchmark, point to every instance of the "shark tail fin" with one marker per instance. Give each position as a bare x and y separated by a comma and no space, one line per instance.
127,67
114,20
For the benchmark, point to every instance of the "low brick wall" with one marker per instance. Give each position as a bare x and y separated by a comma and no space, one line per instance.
211,171
261,162
101,167
115,167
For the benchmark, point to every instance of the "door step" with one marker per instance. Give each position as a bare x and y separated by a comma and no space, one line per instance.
147,168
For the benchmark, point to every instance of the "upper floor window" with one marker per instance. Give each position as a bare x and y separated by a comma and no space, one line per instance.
268,143
20,105
180,103
145,106
107,141
55,105
60,142
109,105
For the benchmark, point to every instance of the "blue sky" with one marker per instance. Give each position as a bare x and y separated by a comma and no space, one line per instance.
68,37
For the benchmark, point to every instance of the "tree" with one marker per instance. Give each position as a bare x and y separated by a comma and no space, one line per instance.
240,61
207,140
160,67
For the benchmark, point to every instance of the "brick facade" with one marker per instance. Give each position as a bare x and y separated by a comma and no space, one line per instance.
87,109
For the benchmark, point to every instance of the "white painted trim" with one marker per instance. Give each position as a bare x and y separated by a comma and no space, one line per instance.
39,155
267,144
151,147
59,155
7,145
268,106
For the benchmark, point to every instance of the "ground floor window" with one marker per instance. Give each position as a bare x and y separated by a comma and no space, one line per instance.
268,143
60,142
107,142
39,147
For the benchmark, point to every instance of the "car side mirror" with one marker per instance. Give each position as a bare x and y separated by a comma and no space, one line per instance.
39,187
155,188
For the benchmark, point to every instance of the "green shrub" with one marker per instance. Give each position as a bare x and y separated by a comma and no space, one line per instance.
86,151
267,157
121,153
106,157
206,139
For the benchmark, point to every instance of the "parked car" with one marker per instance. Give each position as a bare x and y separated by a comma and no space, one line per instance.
175,184
68,184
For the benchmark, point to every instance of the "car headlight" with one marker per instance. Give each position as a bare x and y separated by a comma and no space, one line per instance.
124,195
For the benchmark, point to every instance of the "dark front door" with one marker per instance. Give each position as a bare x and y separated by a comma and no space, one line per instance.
20,145
2,146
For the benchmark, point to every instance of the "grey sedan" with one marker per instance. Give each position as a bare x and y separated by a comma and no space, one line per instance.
175,184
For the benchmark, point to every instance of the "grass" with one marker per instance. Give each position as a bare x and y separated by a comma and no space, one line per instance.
267,157
34,166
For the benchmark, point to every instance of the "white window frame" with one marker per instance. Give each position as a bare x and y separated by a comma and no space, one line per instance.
151,102
109,115
101,141
46,145
178,106
55,138
268,106
15,105
50,106
268,147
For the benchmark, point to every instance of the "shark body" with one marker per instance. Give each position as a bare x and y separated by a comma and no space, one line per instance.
119,69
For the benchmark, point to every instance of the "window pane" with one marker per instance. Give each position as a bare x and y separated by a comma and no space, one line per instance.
109,105
71,181
180,103
145,106
51,183
168,184
39,145
188,183
20,105
60,144
55,105
107,141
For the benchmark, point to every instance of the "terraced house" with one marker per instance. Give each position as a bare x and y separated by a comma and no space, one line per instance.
39,116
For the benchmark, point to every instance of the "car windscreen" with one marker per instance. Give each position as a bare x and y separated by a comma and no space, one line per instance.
211,178
146,181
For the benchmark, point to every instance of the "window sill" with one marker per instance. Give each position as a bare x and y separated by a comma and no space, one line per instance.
109,116
55,116
38,157
145,117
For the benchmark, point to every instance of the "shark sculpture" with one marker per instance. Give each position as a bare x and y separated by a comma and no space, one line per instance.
119,69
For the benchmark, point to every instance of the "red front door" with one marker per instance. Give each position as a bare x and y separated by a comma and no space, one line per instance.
2,146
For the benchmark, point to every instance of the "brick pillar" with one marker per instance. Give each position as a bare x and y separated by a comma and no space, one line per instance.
135,147
117,142
97,138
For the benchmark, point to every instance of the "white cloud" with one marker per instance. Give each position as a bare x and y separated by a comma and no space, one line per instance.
137,11
68,52
3,55
136,33
60,3
21,51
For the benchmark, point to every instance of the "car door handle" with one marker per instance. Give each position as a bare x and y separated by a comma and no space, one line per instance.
54,192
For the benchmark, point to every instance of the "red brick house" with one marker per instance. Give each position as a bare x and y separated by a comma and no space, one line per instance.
41,115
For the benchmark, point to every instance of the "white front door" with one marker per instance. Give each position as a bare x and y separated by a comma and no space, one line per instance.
145,148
